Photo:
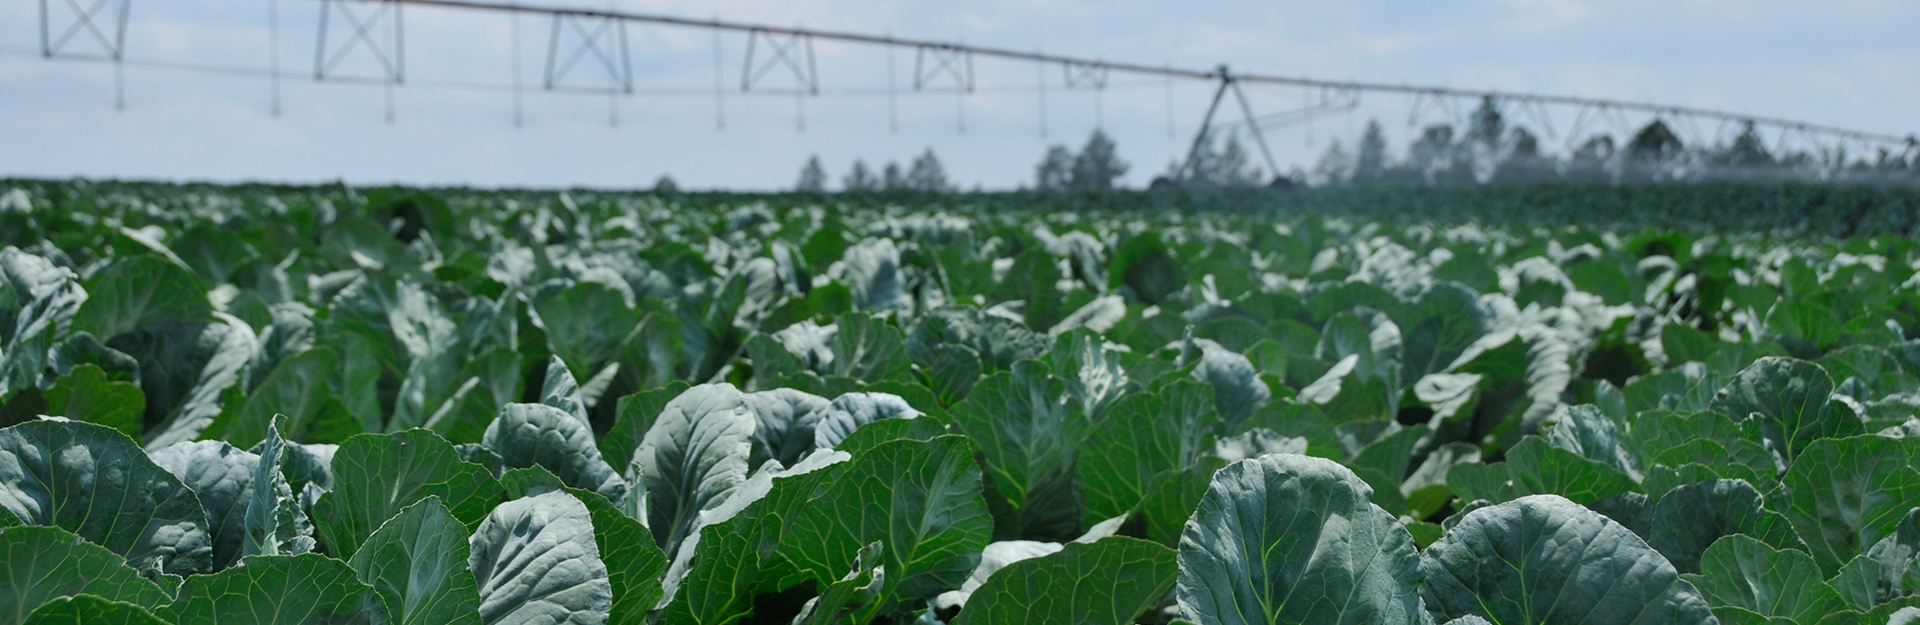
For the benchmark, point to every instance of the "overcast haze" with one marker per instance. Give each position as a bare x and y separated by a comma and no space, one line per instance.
1850,64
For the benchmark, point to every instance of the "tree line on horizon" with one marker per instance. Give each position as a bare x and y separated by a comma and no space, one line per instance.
1489,151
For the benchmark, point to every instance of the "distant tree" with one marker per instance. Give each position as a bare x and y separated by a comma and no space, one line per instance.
1055,171
891,179
1228,166
860,179
813,177
1334,168
1371,163
1655,142
1432,150
1748,150
665,184
1097,166
1653,153
1592,161
1523,162
928,175
1484,146
1488,126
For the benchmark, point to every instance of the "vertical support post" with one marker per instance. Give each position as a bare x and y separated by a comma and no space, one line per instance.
513,25
273,52
1273,167
1040,78
1200,137
719,82
893,92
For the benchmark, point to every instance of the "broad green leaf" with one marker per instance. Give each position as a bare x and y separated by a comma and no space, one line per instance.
1029,435
1792,402
1295,539
139,291
1111,580
186,370
867,348
586,323
275,522
922,499
526,435
91,610
853,597
307,589
1533,467
1143,435
85,394
950,371
873,273
40,563
1586,431
297,388
1742,572
1237,388
634,565
1439,328
377,475
787,420
634,416
221,476
1843,495
1172,497
94,481
417,561
1685,344
1891,568
1093,373
997,341
851,411
1689,519
736,543
536,562
1544,560
561,391
693,457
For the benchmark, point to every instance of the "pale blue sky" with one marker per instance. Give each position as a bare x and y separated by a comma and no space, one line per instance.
1847,63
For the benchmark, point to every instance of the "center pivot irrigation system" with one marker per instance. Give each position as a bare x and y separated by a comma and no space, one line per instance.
599,37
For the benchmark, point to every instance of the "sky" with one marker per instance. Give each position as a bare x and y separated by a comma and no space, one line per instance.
1849,63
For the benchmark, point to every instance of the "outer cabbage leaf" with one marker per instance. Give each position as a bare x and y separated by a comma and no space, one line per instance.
1792,401
1143,435
40,563
94,481
1544,560
1029,436
537,563
848,412
417,561
693,458
1294,539
307,589
1534,467
538,434
377,475
1844,495
922,499
1111,580
634,565
91,610
787,419
1742,572
222,478
1689,519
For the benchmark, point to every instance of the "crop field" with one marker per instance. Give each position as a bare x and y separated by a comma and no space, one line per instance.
232,405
